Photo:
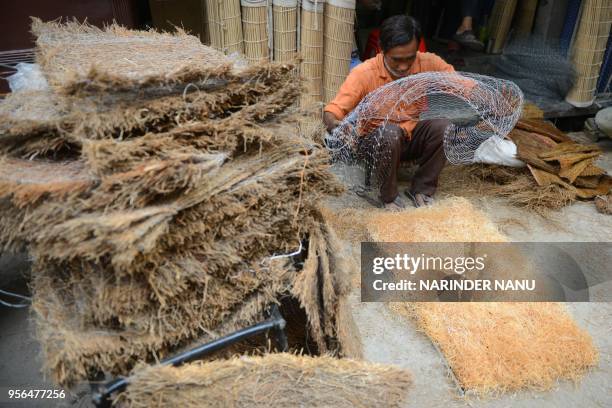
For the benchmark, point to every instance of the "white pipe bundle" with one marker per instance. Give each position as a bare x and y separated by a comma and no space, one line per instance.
338,44
285,29
311,46
225,25
588,50
255,29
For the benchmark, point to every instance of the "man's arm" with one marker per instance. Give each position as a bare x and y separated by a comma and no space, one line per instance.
349,95
330,121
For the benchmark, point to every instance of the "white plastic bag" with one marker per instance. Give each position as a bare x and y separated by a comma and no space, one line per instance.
27,78
496,150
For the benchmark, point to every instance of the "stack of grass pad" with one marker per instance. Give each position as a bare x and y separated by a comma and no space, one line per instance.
555,159
159,187
559,170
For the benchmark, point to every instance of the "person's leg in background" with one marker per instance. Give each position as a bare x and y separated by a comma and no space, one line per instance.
427,148
465,33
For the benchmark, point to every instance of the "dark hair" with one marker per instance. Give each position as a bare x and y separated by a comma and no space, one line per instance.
398,30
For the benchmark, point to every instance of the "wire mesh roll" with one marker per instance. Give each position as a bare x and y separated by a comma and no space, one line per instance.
501,18
311,46
225,25
588,50
338,45
285,29
255,29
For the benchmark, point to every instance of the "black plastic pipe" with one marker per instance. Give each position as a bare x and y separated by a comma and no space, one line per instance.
101,399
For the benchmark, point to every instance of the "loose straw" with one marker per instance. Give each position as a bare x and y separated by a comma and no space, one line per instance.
338,44
255,28
285,30
588,50
311,47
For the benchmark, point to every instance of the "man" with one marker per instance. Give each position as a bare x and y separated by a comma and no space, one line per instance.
388,145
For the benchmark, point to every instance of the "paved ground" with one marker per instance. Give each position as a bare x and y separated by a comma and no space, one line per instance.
20,360
389,338
386,337
392,339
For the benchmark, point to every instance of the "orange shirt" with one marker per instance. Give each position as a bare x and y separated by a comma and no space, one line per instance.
372,74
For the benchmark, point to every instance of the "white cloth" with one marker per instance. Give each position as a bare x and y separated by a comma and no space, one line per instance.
496,150
28,77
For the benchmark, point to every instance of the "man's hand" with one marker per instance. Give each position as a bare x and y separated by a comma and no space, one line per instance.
330,121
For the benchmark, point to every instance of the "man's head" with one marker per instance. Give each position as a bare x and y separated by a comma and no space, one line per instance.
399,40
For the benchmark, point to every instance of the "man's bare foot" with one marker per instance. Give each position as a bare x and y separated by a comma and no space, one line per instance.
420,199
396,205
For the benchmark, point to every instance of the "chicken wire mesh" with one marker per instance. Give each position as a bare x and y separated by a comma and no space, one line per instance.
477,107
538,66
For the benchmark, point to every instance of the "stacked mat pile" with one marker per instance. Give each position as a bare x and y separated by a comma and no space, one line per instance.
559,171
556,160
159,190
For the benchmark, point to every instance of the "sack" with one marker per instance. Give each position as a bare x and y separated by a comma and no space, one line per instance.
496,150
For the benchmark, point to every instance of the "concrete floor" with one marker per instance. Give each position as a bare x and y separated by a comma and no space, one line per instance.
386,337
20,359
392,339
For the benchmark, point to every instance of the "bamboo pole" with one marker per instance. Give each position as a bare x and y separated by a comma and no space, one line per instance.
311,47
501,18
255,29
525,15
285,30
588,50
338,45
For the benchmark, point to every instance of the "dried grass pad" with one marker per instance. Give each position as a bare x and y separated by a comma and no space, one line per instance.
279,380
501,347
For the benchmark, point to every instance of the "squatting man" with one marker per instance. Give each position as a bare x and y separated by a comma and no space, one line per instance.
408,141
